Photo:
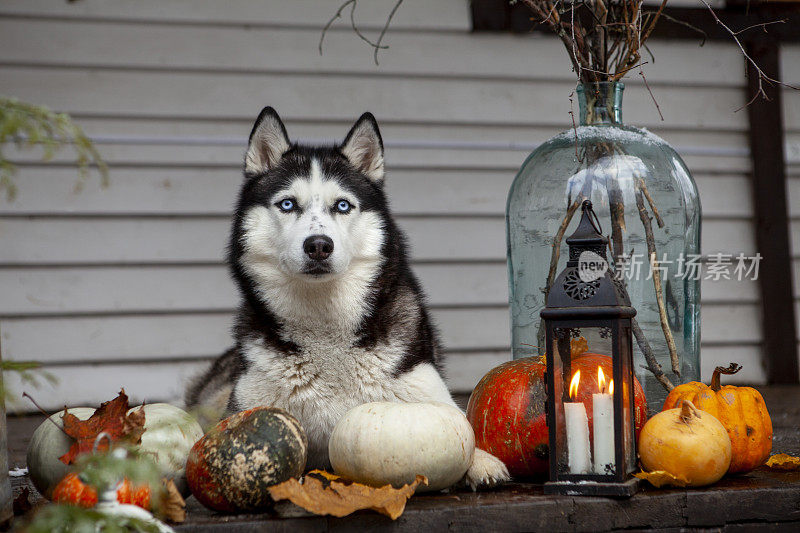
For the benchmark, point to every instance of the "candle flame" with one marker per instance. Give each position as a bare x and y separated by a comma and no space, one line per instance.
573,385
601,382
601,379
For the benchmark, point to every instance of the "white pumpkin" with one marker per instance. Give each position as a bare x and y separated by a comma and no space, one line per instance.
383,443
48,443
169,434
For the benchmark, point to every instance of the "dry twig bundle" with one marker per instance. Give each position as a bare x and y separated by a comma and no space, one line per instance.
604,38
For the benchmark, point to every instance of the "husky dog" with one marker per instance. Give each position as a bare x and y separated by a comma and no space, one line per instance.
331,315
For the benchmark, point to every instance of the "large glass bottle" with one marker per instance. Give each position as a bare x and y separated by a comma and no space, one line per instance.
648,206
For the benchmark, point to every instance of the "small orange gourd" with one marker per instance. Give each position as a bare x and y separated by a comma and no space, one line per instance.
742,412
71,490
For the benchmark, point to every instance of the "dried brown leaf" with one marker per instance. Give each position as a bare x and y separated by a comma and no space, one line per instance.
112,418
324,493
174,507
659,478
783,461
578,346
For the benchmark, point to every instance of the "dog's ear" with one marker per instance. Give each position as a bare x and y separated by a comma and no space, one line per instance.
363,147
268,142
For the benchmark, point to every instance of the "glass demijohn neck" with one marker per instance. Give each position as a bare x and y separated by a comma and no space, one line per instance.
600,103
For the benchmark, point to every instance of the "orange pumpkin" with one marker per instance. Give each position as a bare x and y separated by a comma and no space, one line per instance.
740,409
72,490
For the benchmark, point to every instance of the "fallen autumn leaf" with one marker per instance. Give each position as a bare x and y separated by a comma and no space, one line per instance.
324,493
783,461
659,478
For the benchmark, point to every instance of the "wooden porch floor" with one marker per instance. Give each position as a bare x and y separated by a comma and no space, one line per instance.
759,500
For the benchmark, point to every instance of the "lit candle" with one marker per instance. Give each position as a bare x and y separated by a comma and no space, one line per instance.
603,425
578,454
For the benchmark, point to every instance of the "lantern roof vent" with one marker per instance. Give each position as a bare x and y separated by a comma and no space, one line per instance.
588,282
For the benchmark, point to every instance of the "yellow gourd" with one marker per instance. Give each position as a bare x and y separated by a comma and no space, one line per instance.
687,443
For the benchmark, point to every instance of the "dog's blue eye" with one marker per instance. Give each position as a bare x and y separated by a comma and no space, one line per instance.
343,206
286,205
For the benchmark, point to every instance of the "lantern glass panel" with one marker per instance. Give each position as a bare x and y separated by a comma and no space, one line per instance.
584,401
561,355
627,401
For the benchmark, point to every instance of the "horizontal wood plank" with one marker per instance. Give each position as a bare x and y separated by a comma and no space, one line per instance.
481,55
48,190
203,240
793,193
110,339
89,385
71,290
174,288
796,270
792,154
162,240
747,355
790,63
191,94
430,15
180,336
791,108
407,156
233,131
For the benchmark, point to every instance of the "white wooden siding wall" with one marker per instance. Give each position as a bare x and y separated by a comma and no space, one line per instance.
790,72
125,286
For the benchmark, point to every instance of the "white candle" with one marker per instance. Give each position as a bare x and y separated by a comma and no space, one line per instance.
580,461
603,425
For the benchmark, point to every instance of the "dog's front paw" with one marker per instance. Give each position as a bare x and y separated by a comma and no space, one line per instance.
486,470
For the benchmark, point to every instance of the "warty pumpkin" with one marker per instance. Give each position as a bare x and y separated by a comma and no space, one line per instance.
231,467
742,412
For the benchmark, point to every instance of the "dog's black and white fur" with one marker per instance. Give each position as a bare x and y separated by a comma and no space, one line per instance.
331,314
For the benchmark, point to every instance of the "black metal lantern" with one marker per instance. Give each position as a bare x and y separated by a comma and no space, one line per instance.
592,444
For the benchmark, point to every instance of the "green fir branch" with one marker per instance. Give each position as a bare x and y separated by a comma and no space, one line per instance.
102,470
74,519
26,126
30,372
105,469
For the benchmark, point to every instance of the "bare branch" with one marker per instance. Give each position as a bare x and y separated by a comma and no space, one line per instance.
385,29
355,27
761,25
652,96
762,76
651,253
336,15
686,24
376,45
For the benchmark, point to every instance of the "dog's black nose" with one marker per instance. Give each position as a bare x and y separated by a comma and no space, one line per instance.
318,247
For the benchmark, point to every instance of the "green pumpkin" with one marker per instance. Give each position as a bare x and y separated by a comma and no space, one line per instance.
169,433
233,465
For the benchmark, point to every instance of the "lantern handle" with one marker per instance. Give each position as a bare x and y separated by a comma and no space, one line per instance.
586,206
